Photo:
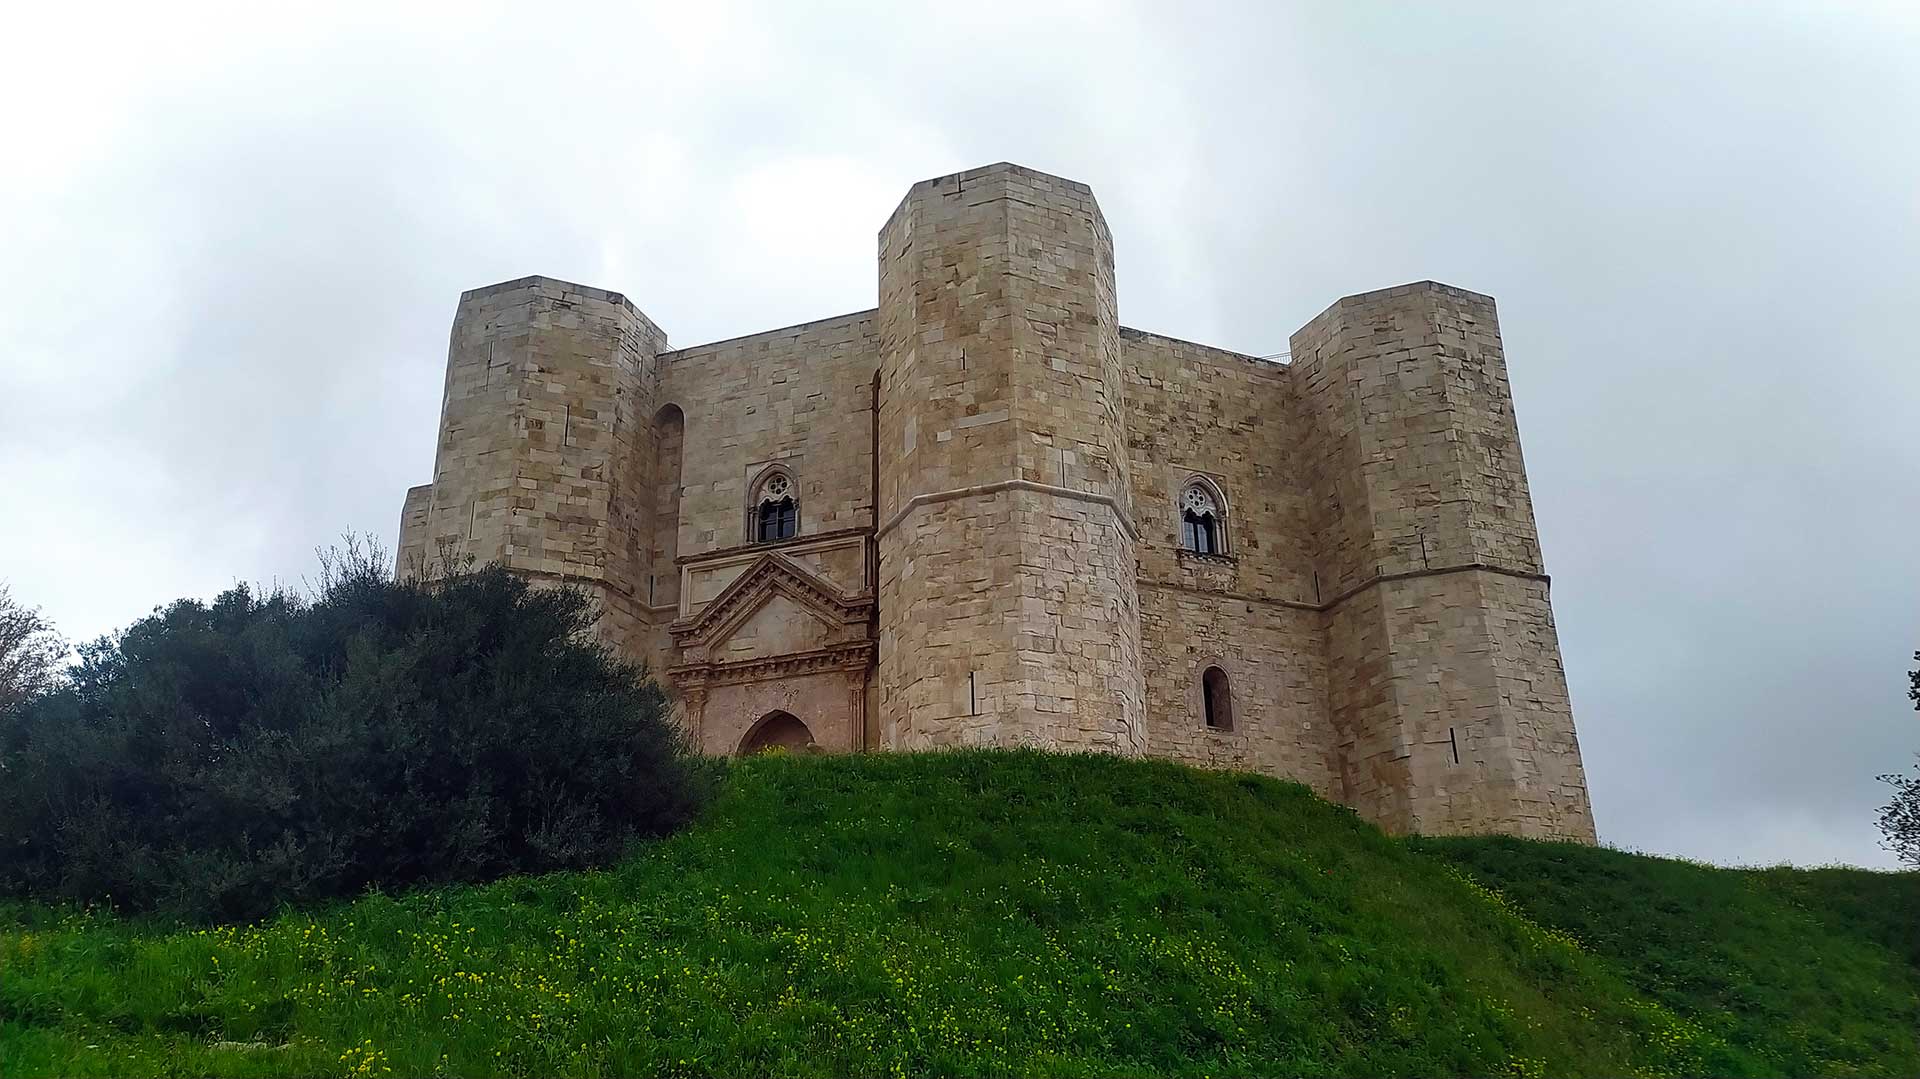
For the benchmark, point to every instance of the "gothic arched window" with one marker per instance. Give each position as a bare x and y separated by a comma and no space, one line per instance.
1203,519
775,514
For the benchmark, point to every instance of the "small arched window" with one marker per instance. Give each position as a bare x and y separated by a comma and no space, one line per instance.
775,514
1203,519
1216,698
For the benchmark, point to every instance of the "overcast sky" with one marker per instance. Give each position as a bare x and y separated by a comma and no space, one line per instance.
230,248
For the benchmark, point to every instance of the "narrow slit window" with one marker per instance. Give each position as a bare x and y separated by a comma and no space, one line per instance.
1216,699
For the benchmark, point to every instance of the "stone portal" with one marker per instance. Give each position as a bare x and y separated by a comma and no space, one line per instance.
777,729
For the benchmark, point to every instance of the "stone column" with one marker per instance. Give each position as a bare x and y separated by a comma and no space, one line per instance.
1009,608
1445,679
857,708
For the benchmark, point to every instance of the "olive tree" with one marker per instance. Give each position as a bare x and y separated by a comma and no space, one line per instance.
31,653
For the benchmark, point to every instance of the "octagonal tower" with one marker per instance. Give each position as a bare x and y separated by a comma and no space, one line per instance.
1008,583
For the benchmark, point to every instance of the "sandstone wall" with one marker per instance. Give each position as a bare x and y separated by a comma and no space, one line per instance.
1009,609
831,711
538,431
414,557
1199,411
800,397
1443,676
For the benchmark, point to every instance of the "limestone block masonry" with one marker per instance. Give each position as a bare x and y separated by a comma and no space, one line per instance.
985,513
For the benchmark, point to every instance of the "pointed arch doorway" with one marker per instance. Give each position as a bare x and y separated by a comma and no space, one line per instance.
777,729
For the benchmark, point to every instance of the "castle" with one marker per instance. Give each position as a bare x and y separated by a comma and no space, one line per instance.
985,513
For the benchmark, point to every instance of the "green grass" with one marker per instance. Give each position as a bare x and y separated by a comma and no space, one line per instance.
1007,913
1813,971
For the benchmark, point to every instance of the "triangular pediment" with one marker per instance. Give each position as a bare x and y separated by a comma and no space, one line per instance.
800,593
776,624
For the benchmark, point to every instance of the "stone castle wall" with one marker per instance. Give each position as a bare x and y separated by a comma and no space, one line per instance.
988,469
1195,411
1009,610
1445,668
801,397
538,431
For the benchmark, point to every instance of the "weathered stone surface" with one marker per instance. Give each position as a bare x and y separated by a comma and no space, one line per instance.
1445,678
988,472
1009,609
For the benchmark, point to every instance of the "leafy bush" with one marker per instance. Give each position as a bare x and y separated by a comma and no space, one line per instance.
217,760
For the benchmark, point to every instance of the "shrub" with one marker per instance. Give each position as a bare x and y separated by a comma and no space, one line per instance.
217,760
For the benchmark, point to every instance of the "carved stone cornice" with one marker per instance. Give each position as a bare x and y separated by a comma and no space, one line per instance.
845,642
855,656
982,490
811,539
1347,594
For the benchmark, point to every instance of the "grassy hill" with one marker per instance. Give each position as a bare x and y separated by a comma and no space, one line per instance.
1008,913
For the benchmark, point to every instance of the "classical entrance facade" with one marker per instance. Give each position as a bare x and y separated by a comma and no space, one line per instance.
776,630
